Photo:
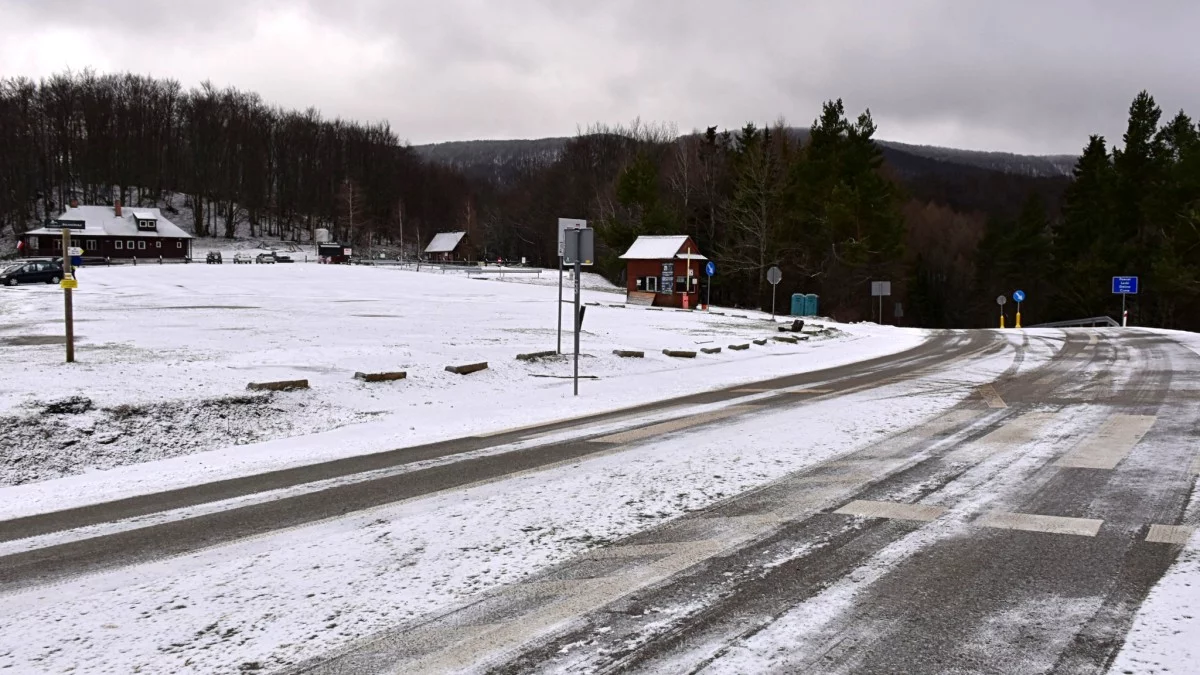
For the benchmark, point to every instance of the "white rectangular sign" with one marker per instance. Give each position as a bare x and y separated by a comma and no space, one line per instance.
565,224
881,288
74,251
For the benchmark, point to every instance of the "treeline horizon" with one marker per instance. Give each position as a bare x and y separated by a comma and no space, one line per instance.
832,209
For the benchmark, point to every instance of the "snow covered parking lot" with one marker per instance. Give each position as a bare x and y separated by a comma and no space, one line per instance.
165,353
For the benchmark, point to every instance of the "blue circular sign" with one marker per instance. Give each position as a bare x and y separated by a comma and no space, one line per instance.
1019,296
711,268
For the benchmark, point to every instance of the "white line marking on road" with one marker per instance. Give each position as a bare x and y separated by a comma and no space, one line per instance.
805,390
992,397
1009,435
919,512
1170,534
673,425
1194,469
1083,527
1109,445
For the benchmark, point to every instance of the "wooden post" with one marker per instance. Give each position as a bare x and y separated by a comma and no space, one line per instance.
69,314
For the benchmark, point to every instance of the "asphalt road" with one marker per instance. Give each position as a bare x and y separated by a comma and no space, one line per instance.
1018,533
367,482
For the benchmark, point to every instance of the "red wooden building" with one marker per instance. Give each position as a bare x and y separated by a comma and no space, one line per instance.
657,271
111,232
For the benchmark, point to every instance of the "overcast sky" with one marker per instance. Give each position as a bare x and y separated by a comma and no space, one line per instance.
1032,76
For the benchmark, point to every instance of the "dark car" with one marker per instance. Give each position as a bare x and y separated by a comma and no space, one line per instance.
31,273
281,258
214,258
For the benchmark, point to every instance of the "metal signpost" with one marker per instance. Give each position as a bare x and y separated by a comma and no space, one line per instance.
67,283
1018,297
881,289
710,269
1000,301
579,251
774,275
564,224
1124,286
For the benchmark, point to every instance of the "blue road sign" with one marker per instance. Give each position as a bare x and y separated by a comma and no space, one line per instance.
1019,296
711,268
1125,285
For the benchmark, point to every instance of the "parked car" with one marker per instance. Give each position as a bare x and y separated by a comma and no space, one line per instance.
214,258
283,258
265,259
242,259
31,273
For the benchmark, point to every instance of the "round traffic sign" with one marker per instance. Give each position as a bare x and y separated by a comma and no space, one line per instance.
711,268
1001,300
1019,296
774,275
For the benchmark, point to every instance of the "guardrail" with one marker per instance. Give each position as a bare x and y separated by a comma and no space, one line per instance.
1078,323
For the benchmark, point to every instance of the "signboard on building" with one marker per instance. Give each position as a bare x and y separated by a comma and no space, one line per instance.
666,284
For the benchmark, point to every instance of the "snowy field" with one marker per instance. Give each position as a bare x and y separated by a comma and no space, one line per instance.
278,599
164,354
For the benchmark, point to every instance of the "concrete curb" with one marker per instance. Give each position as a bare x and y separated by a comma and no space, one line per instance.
679,354
760,343
711,350
739,348
534,356
629,354
467,369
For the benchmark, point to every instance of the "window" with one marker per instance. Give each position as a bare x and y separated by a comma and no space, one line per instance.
90,245
652,284
129,244
35,242
141,245
57,243
158,244
118,244
179,244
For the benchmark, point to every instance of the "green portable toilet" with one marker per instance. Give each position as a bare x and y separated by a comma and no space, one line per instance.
799,305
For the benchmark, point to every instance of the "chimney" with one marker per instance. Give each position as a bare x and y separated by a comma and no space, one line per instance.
74,203
117,208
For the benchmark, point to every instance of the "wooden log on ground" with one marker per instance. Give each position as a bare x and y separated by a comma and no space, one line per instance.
711,350
679,354
467,369
629,354
739,348
787,339
760,343
381,377
284,385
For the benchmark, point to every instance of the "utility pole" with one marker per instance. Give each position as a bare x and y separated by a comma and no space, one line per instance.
68,310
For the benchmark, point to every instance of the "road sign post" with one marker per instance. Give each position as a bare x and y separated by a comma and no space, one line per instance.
67,284
709,270
564,224
579,251
1125,286
1018,297
1000,301
774,276
881,289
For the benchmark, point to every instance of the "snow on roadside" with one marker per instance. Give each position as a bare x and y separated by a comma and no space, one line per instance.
291,595
179,336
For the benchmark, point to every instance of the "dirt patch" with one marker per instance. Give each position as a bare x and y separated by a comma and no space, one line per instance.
36,340
70,436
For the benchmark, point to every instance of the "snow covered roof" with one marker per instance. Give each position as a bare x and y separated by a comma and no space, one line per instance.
99,221
445,242
660,248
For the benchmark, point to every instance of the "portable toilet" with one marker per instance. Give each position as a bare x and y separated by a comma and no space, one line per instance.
810,305
799,305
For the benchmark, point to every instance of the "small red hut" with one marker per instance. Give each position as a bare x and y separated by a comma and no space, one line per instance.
664,271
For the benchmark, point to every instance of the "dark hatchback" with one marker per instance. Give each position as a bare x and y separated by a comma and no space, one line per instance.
33,272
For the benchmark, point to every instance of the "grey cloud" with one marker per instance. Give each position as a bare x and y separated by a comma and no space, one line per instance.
1015,75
